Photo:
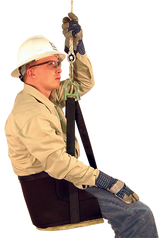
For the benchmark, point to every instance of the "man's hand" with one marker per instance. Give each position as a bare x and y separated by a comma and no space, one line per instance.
71,28
117,187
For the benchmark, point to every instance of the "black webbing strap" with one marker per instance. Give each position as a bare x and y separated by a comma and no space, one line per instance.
84,136
70,115
73,113
73,191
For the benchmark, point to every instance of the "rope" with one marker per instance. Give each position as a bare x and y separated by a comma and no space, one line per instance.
72,5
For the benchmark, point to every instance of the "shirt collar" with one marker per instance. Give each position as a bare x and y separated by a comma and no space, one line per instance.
39,96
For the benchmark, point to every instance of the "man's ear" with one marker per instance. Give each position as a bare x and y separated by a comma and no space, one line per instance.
30,73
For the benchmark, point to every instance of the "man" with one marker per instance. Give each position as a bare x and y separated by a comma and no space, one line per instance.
36,132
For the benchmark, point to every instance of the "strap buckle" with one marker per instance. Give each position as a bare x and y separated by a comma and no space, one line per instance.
76,93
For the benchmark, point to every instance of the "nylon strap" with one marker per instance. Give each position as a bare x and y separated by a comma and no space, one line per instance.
73,113
73,191
84,136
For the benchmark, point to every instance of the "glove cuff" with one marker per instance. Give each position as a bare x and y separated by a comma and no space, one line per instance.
80,48
104,181
66,49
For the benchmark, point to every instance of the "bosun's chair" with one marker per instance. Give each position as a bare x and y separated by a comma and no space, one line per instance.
57,204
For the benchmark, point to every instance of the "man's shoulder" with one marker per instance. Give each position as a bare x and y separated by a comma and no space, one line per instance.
26,107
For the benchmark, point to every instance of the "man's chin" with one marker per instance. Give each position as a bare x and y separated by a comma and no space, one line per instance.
56,86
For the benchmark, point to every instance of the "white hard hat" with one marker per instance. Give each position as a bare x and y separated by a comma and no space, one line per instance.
34,48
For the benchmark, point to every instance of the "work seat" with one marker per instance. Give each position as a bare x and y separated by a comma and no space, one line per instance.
46,204
72,226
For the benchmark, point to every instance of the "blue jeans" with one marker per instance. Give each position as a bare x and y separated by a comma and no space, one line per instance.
127,220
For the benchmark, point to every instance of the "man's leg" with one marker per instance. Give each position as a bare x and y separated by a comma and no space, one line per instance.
133,220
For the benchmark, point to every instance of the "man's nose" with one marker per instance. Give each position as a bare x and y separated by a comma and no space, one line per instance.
58,70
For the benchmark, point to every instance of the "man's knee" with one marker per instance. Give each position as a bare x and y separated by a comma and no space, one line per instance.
145,213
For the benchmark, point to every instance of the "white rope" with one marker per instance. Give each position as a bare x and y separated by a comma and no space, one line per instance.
71,55
72,5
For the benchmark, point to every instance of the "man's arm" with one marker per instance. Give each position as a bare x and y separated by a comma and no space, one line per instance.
83,72
84,76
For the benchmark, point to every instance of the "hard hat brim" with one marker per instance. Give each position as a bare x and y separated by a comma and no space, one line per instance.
15,73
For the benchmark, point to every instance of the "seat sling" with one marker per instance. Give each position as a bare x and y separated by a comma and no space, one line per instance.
57,204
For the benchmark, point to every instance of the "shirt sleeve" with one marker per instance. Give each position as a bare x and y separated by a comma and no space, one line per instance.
44,141
83,77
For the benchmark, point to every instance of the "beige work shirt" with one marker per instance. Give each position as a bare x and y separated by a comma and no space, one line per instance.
36,132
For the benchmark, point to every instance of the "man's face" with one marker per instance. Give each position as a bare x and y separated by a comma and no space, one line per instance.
47,75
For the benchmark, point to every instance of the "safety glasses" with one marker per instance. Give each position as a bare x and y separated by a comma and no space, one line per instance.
51,63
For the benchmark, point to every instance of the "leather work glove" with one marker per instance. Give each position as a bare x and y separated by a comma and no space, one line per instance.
117,187
71,28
